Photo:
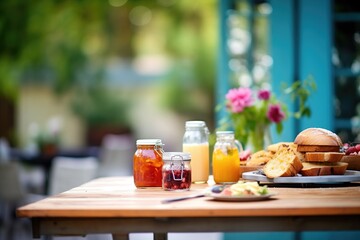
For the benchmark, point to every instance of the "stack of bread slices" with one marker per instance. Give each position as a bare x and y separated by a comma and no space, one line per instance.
314,152
321,150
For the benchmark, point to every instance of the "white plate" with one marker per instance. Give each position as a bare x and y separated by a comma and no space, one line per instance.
244,198
349,176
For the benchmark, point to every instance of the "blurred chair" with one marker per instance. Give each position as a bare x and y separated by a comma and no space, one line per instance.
116,156
11,188
67,173
4,150
12,194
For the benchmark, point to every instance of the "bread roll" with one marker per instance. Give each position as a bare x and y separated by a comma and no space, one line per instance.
318,136
323,156
274,147
259,158
285,163
321,169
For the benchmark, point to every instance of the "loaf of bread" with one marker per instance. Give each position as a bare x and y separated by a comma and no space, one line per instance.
323,156
285,163
318,137
321,169
321,150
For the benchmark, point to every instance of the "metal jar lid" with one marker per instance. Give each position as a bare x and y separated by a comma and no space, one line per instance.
156,142
176,156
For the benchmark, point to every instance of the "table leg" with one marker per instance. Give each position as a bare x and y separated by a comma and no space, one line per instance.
125,236
160,236
120,236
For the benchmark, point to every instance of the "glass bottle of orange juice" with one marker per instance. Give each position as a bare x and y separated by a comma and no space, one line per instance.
196,142
225,158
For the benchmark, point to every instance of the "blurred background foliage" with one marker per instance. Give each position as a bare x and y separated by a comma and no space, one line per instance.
68,46
50,42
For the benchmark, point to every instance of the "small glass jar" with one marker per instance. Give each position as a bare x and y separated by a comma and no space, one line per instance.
176,171
196,142
226,160
148,163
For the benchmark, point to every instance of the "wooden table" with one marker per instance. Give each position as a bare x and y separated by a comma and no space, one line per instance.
113,205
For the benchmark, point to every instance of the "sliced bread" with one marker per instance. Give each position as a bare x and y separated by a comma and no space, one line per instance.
317,148
321,169
323,156
285,163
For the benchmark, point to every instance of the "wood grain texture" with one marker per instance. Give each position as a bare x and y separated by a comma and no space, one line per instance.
117,197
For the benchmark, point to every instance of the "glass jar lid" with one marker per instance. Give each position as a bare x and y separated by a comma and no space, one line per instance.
176,156
156,142
196,124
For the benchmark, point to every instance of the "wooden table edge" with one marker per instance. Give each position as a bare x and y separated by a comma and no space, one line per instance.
83,226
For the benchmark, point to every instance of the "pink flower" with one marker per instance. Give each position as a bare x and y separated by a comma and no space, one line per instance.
239,98
275,114
264,94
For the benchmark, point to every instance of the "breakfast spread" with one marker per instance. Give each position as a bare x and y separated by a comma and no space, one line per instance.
314,152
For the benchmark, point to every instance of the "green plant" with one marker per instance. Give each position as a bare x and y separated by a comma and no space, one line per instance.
299,92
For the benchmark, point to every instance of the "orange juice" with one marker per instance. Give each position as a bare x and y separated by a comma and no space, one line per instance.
226,165
199,161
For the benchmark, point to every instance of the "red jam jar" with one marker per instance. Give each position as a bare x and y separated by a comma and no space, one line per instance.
148,163
176,171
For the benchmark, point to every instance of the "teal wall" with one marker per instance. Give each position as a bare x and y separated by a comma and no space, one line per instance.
284,52
315,54
301,46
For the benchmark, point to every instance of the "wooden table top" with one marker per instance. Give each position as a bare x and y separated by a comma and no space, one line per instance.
118,197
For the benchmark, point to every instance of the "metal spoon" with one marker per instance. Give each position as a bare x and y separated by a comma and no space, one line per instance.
213,189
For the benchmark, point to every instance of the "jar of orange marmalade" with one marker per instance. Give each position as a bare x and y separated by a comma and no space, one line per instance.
148,163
